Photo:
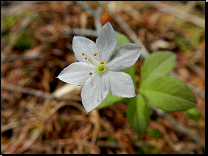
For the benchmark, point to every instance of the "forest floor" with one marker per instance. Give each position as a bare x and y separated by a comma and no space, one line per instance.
36,45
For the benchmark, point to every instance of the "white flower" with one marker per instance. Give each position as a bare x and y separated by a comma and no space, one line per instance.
99,67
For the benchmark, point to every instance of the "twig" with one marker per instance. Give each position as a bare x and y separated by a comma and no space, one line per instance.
69,141
97,15
95,119
198,71
85,6
194,148
178,13
87,32
35,92
162,129
128,10
107,144
76,31
107,126
8,126
16,8
62,104
180,128
190,5
31,141
29,55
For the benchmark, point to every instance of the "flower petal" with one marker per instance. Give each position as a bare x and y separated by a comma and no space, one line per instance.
106,42
93,92
125,57
84,47
120,84
76,73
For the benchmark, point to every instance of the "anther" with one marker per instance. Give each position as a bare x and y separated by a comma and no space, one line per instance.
95,54
82,54
102,69
90,73
102,62
85,58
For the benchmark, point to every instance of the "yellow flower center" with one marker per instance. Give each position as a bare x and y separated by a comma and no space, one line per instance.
101,68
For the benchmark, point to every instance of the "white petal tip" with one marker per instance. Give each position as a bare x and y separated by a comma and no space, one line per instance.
59,77
88,111
131,96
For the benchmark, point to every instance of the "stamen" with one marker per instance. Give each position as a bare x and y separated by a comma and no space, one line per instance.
90,73
102,69
85,58
90,61
82,54
95,54
102,62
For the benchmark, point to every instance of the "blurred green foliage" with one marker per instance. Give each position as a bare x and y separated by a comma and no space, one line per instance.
62,122
154,133
8,21
183,45
85,151
146,149
25,41
27,70
193,113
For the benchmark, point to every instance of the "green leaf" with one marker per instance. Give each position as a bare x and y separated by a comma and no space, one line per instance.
193,113
170,94
138,114
157,65
109,100
121,38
